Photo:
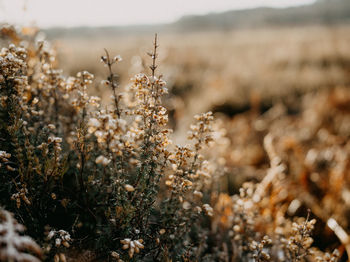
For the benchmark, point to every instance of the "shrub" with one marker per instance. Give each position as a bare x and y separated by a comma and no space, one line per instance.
71,164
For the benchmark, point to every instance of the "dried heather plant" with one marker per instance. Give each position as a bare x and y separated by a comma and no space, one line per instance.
110,172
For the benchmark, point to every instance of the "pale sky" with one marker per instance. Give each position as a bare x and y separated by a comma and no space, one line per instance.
69,13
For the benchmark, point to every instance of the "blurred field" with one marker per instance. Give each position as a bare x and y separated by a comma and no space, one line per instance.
225,71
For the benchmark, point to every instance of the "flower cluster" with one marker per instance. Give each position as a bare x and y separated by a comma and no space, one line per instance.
133,246
201,131
298,244
21,196
5,159
61,239
259,249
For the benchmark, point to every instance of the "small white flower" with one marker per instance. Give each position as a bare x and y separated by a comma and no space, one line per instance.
117,58
102,160
51,126
93,122
105,82
208,210
129,188
134,246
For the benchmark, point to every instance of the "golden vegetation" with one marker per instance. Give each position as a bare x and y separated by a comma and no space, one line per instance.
100,180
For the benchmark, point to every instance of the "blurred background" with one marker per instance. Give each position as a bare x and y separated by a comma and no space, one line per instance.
215,55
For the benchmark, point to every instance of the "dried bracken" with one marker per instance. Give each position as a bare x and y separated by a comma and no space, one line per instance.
14,246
